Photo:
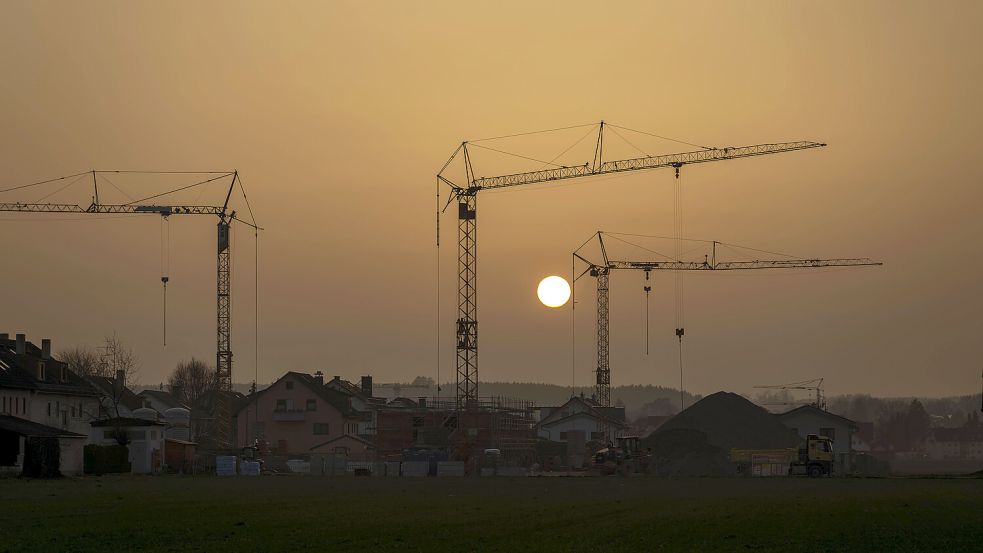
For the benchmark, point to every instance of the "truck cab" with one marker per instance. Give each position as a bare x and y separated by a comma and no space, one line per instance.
815,456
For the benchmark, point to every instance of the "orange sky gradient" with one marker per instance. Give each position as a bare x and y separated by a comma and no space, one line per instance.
338,115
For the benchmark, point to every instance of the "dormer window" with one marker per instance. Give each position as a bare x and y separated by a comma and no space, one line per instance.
40,370
64,373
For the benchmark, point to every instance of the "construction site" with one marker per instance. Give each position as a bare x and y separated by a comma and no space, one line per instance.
725,277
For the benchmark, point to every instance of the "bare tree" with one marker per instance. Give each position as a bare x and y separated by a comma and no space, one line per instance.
83,361
191,380
118,357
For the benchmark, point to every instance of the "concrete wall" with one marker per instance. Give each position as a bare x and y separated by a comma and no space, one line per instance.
144,442
71,456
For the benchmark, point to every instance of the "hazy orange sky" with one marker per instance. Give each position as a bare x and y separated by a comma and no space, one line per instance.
338,115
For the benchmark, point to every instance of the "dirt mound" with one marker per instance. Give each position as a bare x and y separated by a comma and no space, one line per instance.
697,442
730,421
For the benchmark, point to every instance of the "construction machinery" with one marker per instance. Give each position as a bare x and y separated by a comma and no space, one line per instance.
146,205
625,457
464,189
813,458
601,271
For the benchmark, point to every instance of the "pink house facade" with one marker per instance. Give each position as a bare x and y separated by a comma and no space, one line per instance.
295,414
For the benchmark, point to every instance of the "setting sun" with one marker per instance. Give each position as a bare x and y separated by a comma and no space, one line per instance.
553,291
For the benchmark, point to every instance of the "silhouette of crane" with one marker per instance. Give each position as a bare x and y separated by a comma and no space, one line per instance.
601,272
465,193
226,216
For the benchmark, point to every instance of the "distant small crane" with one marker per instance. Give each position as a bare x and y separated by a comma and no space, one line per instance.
815,385
602,270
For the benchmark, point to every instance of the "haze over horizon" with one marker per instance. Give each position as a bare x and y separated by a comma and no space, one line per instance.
338,116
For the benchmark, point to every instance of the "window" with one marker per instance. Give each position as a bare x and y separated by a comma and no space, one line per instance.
4,404
108,434
73,411
563,435
281,405
597,435
40,370
64,373
828,432
320,428
312,405
418,422
290,384
49,408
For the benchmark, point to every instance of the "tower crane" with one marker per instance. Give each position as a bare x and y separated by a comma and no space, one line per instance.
225,215
815,385
601,272
465,193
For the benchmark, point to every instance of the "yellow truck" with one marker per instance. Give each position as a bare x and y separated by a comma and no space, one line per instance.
813,458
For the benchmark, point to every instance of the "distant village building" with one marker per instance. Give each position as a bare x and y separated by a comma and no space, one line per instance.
964,442
581,415
159,400
809,419
298,412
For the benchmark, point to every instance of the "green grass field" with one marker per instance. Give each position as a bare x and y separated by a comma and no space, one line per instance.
293,513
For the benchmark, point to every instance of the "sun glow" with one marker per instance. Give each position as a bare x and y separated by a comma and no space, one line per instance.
553,291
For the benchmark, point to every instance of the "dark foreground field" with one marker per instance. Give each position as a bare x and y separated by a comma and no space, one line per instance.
528,514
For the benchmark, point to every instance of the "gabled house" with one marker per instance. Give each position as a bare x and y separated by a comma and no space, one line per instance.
809,419
579,414
115,400
362,400
159,400
296,413
39,388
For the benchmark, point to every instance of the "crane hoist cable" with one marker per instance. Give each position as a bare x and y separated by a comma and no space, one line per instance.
677,240
648,292
165,265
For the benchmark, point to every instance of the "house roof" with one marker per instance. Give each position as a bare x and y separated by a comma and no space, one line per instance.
107,386
20,371
164,397
125,421
338,400
614,415
591,415
818,411
346,436
31,429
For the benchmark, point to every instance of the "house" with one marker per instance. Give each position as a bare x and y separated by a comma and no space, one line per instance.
362,401
143,438
964,442
17,435
296,413
39,388
159,400
809,419
115,400
580,414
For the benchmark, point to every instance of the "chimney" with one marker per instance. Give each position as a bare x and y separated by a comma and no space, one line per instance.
423,402
21,344
46,348
367,386
119,383
319,378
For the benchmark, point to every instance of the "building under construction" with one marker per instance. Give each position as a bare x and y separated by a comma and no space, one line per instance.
437,425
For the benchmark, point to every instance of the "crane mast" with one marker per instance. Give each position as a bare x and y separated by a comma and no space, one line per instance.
465,194
223,355
602,270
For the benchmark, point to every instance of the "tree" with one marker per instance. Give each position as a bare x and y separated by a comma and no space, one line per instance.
104,361
917,423
191,380
82,360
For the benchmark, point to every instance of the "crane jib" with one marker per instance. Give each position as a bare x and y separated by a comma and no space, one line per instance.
636,164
